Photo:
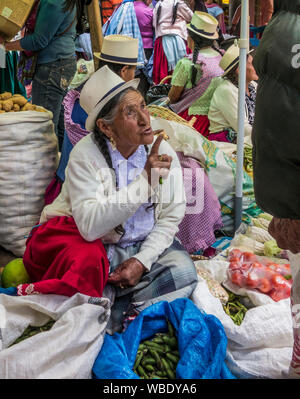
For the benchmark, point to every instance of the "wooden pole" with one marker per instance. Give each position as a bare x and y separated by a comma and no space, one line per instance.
94,17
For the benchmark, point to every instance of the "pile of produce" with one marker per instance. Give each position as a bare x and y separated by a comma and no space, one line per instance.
234,308
157,358
250,271
31,331
16,103
213,285
258,240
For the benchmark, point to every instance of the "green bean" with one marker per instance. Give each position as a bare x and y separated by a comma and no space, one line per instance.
172,357
171,329
138,360
170,372
157,358
142,372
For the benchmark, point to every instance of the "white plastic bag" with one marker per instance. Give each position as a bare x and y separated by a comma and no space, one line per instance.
28,161
261,347
67,350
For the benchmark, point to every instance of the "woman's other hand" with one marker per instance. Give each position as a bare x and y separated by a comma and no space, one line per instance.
127,274
157,165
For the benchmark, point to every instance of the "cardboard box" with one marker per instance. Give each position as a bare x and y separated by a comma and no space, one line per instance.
13,15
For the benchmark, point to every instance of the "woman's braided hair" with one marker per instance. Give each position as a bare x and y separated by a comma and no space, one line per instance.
108,113
174,14
200,42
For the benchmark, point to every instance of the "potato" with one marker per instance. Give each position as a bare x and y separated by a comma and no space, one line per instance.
27,107
5,96
7,105
20,100
16,107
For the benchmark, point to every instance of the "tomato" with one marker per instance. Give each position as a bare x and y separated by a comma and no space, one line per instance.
234,259
237,278
252,279
264,285
279,282
235,253
234,265
249,257
278,295
245,267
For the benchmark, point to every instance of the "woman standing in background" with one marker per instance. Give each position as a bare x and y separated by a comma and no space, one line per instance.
170,18
53,43
144,16
216,11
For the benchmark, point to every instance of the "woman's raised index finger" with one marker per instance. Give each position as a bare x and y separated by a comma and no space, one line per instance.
155,147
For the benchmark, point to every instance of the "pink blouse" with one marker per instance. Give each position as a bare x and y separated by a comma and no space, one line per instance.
165,27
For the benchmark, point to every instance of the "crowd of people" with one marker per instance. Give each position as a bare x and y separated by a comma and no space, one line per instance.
95,230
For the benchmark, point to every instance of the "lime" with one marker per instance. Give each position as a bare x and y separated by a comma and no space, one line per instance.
14,273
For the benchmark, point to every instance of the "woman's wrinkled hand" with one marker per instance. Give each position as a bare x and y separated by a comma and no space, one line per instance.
127,274
157,165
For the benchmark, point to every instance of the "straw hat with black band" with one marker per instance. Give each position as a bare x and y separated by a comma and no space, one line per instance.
102,86
119,49
231,58
203,24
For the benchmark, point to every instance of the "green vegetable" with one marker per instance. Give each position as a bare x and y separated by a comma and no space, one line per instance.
235,310
271,248
158,357
31,331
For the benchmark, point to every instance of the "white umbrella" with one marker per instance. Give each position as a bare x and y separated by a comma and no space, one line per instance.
244,45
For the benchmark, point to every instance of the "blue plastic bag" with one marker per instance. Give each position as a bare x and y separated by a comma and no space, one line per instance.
201,343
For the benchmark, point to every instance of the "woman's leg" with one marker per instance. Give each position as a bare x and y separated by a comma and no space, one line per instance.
172,276
50,85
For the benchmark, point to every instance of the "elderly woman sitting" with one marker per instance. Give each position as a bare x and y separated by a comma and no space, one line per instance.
117,215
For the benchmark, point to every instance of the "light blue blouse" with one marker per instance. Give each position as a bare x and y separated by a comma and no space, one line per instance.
138,227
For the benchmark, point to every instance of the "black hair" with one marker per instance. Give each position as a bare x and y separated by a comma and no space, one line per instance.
200,42
116,68
200,6
100,137
174,15
233,76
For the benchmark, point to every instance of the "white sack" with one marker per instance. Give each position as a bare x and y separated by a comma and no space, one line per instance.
261,347
220,168
67,350
28,161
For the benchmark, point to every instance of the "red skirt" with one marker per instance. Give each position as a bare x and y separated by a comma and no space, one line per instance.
59,261
201,124
160,62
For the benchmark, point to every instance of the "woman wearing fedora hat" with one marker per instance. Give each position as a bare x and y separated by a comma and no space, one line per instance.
120,54
113,196
194,72
223,107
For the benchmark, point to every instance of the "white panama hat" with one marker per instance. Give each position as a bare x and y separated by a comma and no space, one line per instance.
119,49
231,58
102,86
204,25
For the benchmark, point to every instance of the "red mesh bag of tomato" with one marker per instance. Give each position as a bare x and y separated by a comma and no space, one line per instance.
248,270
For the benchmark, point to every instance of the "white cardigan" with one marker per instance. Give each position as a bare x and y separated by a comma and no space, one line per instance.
89,195
223,110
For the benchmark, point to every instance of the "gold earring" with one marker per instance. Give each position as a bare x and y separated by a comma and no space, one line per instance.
113,144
